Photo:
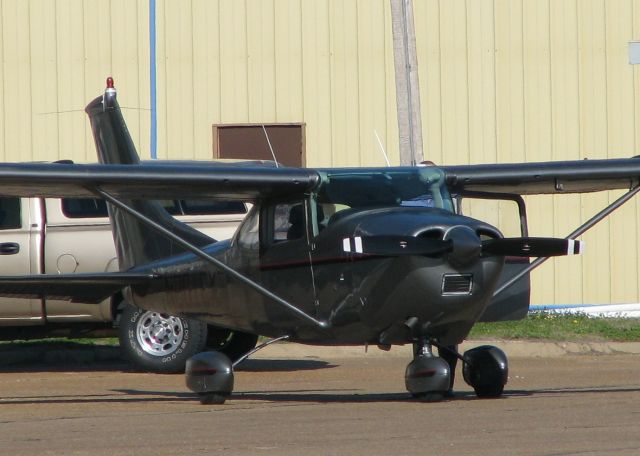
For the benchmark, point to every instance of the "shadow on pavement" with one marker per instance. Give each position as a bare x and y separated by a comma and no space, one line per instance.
282,365
69,356
60,356
329,396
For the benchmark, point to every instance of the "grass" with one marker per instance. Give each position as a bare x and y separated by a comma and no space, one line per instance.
106,341
552,326
536,326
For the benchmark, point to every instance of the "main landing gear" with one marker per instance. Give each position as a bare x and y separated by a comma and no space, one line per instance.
210,374
428,377
486,370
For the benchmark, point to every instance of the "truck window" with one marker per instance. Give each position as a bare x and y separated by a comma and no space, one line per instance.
88,207
171,206
201,207
84,207
9,213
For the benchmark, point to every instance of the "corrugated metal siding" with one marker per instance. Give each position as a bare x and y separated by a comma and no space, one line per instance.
501,81
328,64
55,57
513,80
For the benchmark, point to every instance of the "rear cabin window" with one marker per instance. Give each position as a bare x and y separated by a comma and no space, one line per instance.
249,234
9,213
90,208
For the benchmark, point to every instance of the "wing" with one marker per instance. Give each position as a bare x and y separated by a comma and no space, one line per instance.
152,181
86,288
579,176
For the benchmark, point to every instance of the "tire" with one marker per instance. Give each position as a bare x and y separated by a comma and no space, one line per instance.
486,370
234,344
158,342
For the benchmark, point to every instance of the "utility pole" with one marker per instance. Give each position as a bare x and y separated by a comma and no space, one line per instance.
407,87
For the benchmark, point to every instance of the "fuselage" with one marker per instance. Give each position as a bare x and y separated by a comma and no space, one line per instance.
339,255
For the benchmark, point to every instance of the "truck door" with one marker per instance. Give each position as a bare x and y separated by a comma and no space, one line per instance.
21,228
508,213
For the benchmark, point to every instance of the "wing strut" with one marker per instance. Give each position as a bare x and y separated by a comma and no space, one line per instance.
205,256
580,230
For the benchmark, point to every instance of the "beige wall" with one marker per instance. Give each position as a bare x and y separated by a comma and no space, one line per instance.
530,80
501,81
55,57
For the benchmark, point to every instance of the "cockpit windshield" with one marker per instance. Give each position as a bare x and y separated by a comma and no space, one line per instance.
363,188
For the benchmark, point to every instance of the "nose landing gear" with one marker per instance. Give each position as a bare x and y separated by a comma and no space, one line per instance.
427,377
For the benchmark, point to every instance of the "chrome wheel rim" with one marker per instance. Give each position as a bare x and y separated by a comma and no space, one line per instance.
159,334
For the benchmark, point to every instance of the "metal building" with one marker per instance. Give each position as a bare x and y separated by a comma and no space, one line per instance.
500,81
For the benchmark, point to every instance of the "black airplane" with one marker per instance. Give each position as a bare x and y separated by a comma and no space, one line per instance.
350,256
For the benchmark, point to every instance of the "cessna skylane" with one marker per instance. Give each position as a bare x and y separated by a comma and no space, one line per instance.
351,256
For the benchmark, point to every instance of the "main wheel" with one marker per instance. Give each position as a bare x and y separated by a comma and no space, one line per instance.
486,370
159,342
234,344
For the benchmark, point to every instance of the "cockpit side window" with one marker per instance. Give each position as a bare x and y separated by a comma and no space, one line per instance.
289,222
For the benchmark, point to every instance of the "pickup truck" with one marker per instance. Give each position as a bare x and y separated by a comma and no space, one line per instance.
74,235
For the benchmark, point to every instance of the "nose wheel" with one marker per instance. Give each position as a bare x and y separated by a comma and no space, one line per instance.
427,377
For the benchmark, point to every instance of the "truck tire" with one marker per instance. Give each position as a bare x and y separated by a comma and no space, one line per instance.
158,342
234,344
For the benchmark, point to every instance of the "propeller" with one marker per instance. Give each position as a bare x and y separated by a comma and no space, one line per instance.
532,247
395,245
462,244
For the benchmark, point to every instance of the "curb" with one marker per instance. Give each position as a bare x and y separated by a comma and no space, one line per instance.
519,349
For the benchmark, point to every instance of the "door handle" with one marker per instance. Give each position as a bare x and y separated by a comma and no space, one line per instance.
9,248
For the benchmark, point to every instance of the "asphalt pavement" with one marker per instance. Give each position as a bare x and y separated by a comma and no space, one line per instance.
293,400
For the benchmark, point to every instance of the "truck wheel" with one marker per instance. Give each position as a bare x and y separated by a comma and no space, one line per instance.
234,344
159,342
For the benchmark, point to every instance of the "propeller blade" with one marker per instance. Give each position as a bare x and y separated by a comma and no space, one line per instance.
532,247
395,245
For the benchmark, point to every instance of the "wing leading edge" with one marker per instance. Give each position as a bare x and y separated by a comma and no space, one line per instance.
578,176
147,181
86,288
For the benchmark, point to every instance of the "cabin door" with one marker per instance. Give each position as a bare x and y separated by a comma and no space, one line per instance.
285,266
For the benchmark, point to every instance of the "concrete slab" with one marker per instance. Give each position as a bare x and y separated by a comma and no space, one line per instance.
325,402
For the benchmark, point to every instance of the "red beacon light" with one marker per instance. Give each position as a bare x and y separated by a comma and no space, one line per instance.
109,97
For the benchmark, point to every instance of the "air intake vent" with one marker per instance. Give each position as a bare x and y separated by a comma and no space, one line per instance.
432,233
457,284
